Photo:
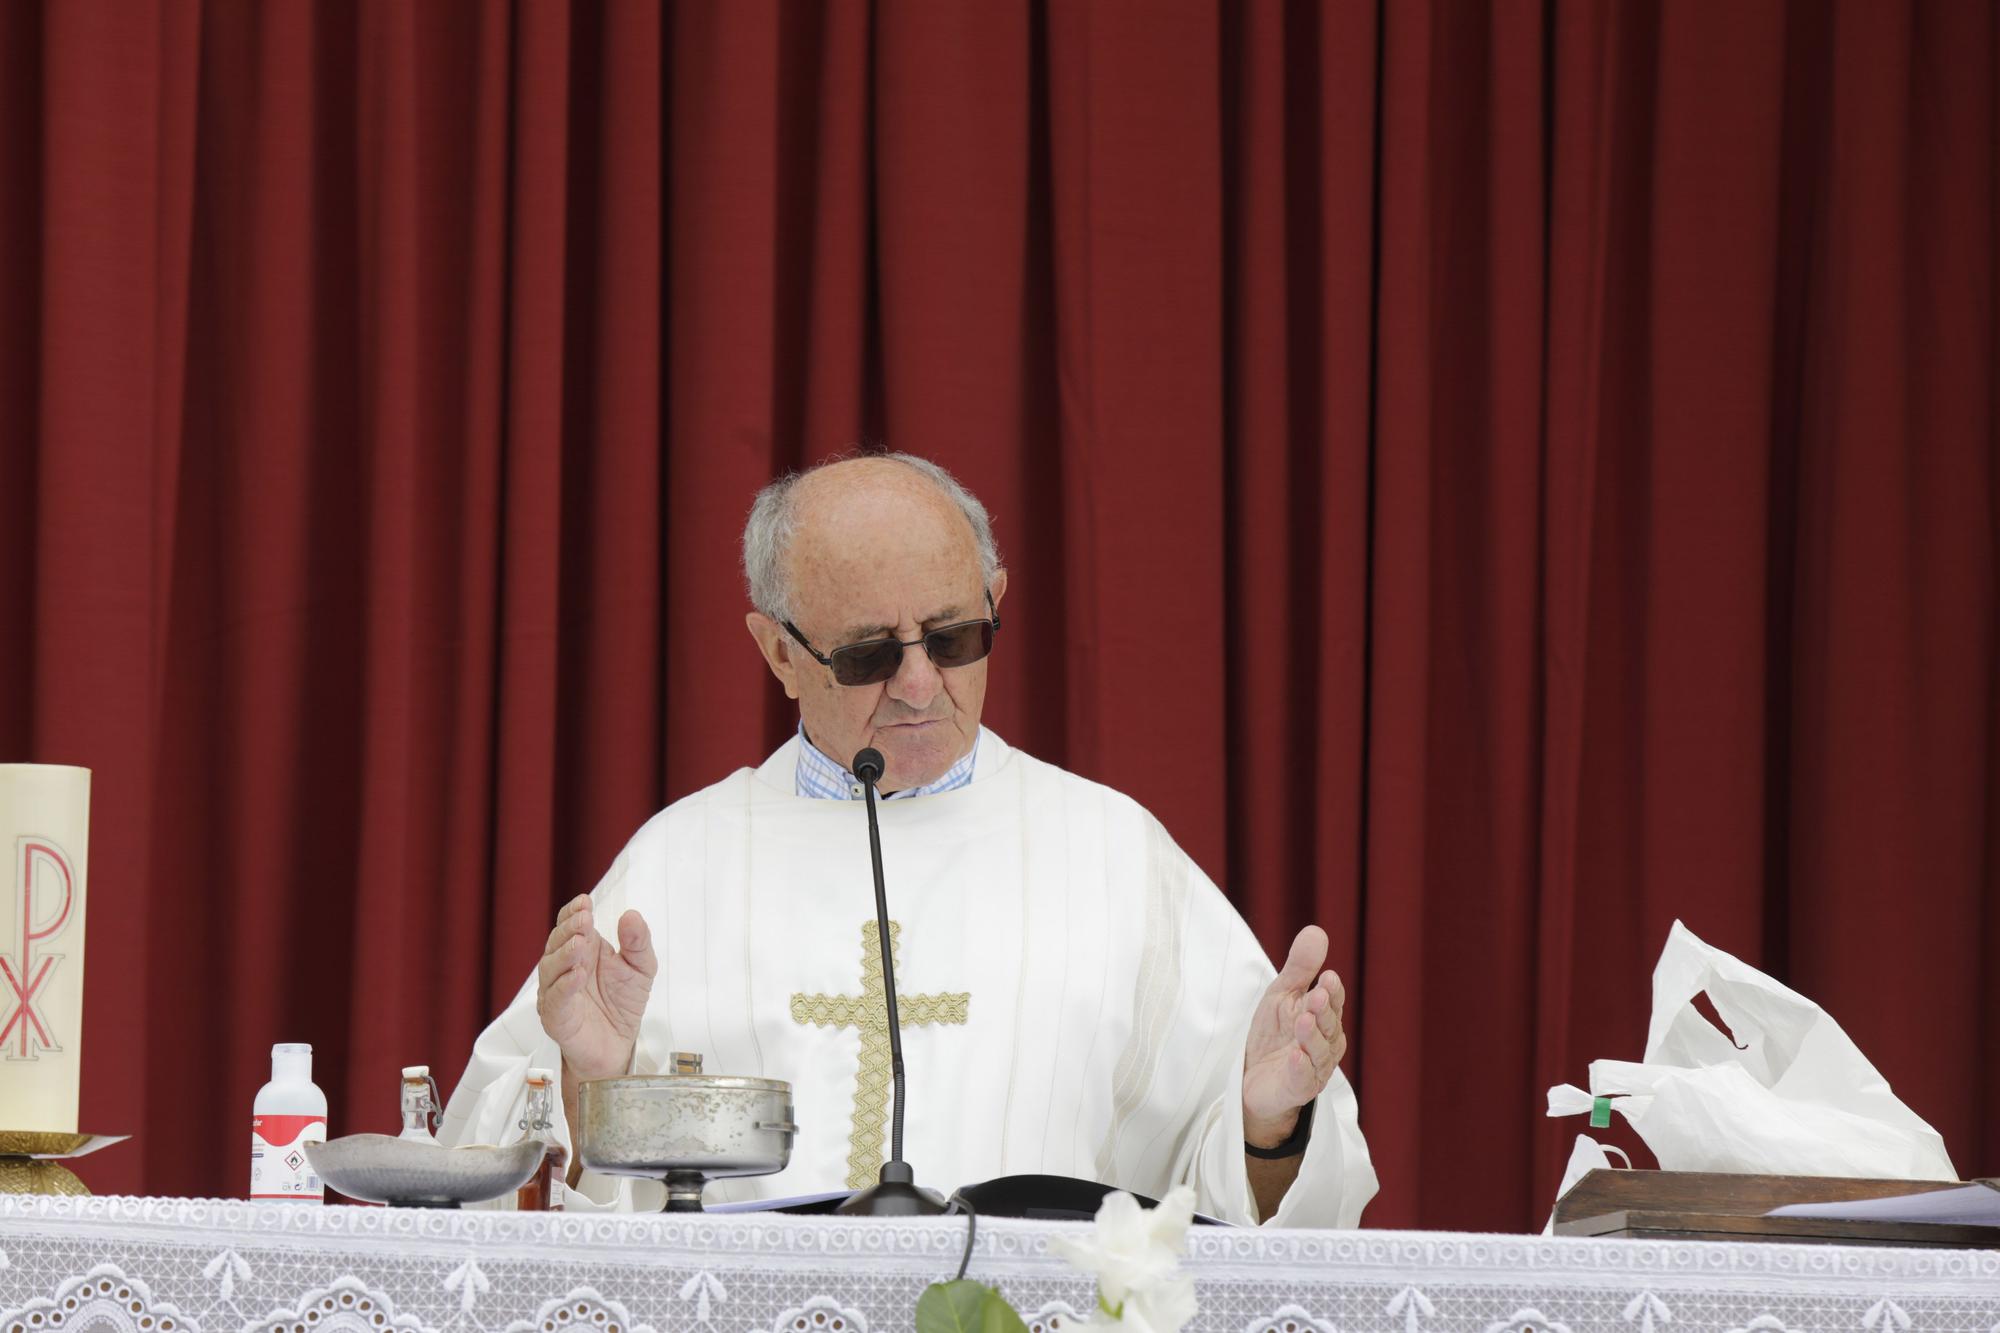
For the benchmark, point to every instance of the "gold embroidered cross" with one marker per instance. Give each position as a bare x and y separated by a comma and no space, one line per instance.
869,1011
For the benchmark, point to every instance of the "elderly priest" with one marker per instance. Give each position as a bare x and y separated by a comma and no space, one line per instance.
1076,997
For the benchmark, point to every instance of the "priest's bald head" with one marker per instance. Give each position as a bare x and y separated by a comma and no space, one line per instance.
877,588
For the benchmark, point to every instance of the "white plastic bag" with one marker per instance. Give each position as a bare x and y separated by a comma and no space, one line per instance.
1790,1095
1585,1156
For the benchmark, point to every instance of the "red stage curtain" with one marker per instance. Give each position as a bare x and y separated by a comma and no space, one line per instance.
1493,478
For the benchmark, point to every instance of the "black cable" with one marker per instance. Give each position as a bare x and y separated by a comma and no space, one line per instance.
958,1200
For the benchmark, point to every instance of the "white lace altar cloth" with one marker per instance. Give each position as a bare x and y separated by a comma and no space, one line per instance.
129,1265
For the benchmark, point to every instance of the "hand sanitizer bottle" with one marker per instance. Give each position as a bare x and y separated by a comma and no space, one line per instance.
288,1114
420,1104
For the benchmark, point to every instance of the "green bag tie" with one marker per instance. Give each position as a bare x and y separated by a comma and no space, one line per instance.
1600,1113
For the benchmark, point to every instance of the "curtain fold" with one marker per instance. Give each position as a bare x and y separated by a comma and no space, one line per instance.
1493,480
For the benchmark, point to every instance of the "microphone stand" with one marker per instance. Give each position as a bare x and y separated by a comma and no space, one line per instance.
896,1194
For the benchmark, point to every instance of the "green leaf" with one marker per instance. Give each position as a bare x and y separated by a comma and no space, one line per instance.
997,1316
952,1307
966,1306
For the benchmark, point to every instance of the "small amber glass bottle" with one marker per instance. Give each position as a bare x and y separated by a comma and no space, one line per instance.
544,1191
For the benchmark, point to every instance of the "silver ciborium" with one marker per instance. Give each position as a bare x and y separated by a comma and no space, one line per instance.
684,1129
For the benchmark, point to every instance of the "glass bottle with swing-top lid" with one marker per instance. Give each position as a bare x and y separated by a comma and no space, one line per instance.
420,1104
544,1190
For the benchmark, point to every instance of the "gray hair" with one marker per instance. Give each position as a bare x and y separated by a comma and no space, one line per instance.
774,521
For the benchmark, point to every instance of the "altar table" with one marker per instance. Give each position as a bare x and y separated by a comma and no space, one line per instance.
135,1265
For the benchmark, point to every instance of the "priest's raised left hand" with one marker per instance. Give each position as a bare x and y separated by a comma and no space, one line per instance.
1295,1044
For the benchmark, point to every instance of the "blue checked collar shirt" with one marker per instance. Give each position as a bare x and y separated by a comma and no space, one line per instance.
823,779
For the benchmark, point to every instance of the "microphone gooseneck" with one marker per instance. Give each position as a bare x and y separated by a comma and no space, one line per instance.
868,766
897,1195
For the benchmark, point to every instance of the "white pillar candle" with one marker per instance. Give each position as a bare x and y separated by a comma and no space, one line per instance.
44,835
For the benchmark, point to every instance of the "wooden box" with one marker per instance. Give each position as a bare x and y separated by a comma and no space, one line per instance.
1698,1205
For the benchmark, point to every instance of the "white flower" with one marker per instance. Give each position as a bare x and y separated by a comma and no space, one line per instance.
1166,1308
1135,1255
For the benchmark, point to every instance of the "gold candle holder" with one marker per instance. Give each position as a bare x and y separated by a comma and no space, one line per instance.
31,1160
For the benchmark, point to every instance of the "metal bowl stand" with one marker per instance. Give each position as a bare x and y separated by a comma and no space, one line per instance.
684,1191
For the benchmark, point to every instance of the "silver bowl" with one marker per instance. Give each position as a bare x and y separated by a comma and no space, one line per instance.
376,1168
684,1130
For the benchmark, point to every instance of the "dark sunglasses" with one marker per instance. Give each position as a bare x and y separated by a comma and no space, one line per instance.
877,660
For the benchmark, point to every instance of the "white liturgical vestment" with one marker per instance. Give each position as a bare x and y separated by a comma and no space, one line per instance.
1074,993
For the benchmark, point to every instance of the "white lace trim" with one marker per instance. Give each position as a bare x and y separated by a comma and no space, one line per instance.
129,1265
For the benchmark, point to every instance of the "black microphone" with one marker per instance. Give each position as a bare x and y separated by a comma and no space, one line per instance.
868,766
897,1194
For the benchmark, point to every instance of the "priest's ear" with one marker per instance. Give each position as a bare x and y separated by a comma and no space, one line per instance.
781,654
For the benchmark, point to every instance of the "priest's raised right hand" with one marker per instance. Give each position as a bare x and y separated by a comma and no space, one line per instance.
590,994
